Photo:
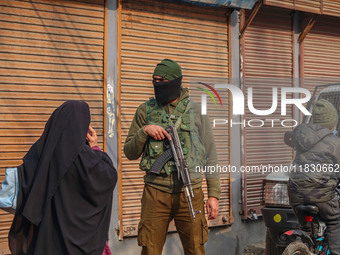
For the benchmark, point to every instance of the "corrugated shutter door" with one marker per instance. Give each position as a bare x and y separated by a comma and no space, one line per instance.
197,38
280,3
327,7
321,53
313,6
331,7
267,63
50,51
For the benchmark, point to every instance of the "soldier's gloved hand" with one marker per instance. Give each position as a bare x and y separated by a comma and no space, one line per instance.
212,206
157,132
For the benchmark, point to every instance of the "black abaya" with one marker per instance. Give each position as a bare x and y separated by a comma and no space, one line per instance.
65,195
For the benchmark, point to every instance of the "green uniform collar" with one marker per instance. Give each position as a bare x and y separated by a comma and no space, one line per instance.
184,94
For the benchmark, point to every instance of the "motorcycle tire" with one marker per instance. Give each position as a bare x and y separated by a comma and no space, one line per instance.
296,248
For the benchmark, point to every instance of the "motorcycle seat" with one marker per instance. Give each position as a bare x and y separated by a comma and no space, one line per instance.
309,209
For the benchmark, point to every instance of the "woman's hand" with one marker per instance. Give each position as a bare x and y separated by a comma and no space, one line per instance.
92,137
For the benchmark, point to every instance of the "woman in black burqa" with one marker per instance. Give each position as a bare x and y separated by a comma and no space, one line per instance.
66,187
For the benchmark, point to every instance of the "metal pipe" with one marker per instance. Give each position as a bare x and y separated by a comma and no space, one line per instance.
119,126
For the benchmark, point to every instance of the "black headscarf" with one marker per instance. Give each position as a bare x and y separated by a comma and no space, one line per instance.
65,197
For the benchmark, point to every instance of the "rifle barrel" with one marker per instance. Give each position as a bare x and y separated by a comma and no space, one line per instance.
182,167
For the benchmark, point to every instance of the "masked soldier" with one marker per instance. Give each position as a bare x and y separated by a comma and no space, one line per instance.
317,148
163,197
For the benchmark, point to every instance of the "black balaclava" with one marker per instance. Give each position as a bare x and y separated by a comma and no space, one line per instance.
168,91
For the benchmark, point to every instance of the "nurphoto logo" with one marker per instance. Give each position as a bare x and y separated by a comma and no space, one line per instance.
302,96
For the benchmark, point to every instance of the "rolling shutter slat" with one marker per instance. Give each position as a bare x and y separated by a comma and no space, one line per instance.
268,63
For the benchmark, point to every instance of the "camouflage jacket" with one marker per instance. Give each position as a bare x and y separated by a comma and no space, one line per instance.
316,171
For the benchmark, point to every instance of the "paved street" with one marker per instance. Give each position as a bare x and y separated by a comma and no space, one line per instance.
255,249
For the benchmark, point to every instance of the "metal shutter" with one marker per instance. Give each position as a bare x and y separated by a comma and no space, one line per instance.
50,51
267,63
280,3
321,53
313,6
328,7
196,37
331,7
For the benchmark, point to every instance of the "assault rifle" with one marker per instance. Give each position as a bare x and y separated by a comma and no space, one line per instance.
175,151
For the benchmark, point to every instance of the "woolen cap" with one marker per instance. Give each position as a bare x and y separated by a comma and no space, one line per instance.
168,69
324,114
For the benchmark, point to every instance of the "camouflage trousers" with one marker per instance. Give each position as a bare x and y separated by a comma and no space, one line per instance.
158,209
329,212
